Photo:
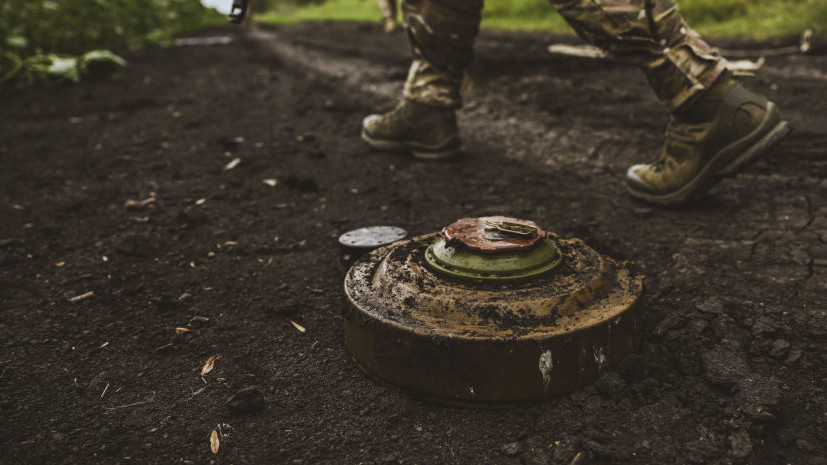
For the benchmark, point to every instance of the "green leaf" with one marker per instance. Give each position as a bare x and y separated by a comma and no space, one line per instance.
17,42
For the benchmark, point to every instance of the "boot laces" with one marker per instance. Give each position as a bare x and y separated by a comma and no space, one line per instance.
681,133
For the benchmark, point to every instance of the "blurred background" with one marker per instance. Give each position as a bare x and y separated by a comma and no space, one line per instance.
45,40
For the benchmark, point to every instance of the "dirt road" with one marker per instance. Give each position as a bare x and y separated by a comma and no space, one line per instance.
134,247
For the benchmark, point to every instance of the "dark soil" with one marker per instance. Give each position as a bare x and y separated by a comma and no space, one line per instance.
124,189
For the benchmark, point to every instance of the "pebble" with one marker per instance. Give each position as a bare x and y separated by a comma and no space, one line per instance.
247,400
779,348
763,326
511,449
793,357
671,321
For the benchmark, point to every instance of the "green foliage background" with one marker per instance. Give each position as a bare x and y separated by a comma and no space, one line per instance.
76,26
757,19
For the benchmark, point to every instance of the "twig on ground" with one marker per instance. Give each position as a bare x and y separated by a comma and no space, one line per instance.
83,296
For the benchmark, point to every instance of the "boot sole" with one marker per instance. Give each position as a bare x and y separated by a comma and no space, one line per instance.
712,174
419,151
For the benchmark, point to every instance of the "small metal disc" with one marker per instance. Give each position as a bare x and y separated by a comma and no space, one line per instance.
371,237
360,241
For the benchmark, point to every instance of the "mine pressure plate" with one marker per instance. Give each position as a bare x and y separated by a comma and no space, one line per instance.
490,312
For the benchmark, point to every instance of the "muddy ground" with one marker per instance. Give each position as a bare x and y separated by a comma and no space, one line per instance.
126,189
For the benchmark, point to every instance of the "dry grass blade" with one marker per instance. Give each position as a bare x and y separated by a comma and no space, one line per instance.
208,365
182,330
214,442
83,296
298,326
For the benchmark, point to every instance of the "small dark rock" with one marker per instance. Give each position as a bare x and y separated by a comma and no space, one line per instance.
712,305
792,357
671,321
763,326
247,400
611,384
779,348
725,366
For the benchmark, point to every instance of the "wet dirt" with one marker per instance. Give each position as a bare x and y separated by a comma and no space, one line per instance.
129,191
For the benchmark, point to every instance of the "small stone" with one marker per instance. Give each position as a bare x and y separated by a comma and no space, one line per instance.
511,449
792,357
779,348
671,321
725,367
247,400
712,305
763,326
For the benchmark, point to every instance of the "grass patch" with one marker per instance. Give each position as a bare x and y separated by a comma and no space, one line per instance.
748,19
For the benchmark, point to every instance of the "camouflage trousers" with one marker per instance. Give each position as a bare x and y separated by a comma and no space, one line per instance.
651,34
387,8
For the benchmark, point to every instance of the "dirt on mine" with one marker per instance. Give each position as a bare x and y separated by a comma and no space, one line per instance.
130,190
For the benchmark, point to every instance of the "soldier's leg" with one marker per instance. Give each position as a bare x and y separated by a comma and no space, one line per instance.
718,126
388,10
441,34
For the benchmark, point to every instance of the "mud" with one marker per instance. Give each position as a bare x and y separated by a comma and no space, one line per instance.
128,190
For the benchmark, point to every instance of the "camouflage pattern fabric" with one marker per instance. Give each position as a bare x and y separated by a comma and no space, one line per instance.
651,34
387,8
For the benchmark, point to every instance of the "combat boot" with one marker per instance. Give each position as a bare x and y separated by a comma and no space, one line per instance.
718,136
428,132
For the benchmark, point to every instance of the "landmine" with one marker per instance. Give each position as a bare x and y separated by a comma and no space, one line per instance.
492,311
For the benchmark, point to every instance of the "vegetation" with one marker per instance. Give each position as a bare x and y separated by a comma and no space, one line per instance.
756,19
38,38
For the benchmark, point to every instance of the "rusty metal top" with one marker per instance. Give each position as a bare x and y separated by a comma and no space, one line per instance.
493,234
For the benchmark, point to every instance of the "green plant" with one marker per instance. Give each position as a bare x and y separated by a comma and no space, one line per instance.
35,34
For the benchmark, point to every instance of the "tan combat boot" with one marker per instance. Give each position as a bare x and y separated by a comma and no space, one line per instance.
426,131
718,136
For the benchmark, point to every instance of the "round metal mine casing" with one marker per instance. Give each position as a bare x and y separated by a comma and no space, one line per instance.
489,343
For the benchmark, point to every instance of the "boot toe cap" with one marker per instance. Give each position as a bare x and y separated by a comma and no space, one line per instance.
632,177
636,182
367,123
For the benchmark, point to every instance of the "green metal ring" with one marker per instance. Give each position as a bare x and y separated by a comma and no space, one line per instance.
460,262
